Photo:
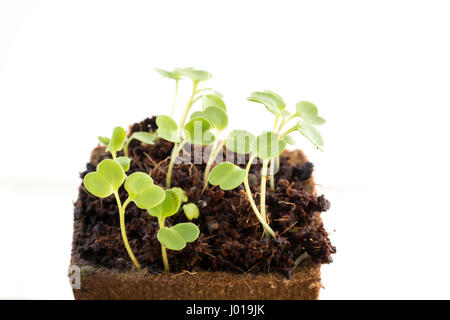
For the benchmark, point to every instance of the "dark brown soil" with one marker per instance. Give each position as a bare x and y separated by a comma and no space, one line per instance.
231,236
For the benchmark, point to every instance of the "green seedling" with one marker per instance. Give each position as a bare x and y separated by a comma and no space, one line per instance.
229,176
107,180
203,125
214,110
119,141
103,140
306,111
175,237
175,76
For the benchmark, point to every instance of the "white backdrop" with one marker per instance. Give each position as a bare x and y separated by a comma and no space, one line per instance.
379,71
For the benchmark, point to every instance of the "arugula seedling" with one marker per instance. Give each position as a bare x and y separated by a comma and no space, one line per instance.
229,176
201,123
108,178
175,76
214,110
175,237
304,110
118,142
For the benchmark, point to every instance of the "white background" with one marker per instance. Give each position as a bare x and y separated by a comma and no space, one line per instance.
379,71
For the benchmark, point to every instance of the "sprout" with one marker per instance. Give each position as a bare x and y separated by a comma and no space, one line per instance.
103,140
229,176
145,137
176,237
191,211
118,141
175,76
304,110
108,178
203,125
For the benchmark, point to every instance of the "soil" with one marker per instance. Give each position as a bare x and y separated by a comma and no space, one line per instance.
231,236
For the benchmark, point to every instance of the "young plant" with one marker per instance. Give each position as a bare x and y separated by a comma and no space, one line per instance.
304,110
214,110
119,141
175,237
229,176
107,180
200,129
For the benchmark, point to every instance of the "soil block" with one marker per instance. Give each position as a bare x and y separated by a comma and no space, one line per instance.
230,260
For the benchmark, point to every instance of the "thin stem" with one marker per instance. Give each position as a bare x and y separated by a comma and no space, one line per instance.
163,249
294,128
125,148
276,121
262,203
217,146
266,227
187,108
122,228
175,99
272,173
175,151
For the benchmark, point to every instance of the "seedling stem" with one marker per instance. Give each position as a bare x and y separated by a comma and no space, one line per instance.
175,152
217,147
163,248
122,228
263,221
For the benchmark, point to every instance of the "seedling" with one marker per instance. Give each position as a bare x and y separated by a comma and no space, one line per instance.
229,176
203,125
304,110
175,237
119,141
107,180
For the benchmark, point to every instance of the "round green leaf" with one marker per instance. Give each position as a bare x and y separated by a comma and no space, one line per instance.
107,179
309,112
191,211
181,194
170,239
240,141
187,230
117,140
194,74
168,207
267,145
227,176
167,128
124,162
168,74
289,140
273,102
145,137
211,100
103,140
310,133
198,131
215,115
142,191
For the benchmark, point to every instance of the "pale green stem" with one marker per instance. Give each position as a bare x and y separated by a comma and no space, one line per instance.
272,168
262,203
175,99
175,151
294,128
266,227
123,230
125,148
214,151
272,173
187,108
276,121
163,249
